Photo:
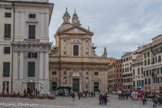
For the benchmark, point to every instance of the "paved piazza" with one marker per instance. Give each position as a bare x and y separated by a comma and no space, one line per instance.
67,102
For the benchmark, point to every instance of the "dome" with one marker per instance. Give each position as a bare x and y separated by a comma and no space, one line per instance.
63,27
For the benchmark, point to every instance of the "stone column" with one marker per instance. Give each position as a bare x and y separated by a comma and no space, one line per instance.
47,25
41,67
15,66
41,28
46,65
21,65
22,26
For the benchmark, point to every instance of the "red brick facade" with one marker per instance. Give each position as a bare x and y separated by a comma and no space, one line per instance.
118,74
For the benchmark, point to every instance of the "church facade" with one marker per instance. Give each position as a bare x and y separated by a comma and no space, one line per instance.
73,62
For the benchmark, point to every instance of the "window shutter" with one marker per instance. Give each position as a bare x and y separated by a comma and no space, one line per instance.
31,31
31,69
6,69
7,31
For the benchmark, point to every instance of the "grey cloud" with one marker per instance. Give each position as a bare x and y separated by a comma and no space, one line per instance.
120,25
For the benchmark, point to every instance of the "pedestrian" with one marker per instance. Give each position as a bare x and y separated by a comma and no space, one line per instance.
160,101
79,95
155,100
89,94
143,100
100,99
127,95
108,98
73,96
105,99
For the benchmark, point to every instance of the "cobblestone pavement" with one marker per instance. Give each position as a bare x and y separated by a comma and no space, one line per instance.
67,102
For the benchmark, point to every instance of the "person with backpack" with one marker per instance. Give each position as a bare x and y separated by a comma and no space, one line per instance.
100,99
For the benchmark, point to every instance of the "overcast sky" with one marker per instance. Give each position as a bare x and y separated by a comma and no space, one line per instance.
120,25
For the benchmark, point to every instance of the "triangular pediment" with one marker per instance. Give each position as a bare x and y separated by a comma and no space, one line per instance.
77,30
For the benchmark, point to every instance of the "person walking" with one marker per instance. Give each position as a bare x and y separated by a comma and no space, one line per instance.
105,99
143,100
155,100
73,96
79,95
100,99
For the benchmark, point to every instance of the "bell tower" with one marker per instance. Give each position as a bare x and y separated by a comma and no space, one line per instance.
75,19
66,17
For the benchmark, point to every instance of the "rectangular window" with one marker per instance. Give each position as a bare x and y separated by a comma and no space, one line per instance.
31,69
32,55
138,71
159,58
31,31
149,82
148,61
145,81
145,62
7,30
7,15
6,69
64,72
148,54
64,52
6,50
141,70
64,40
54,73
76,50
95,73
144,55
86,73
32,16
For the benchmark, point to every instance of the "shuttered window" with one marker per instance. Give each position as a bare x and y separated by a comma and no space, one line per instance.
6,69
7,30
31,69
31,31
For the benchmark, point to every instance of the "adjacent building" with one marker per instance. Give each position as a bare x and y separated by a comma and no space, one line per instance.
127,71
28,31
73,62
137,67
152,65
118,75
111,74
6,37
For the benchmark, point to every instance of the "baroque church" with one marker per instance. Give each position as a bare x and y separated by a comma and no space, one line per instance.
73,62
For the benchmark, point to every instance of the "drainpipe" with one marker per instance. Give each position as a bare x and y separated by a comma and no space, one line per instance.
12,45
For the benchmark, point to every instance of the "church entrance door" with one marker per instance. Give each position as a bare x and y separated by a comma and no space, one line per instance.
30,87
96,86
76,84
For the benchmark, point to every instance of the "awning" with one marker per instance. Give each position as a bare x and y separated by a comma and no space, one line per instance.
147,90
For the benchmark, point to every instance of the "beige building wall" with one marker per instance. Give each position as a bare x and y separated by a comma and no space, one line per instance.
137,67
127,71
111,74
5,81
152,62
86,66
